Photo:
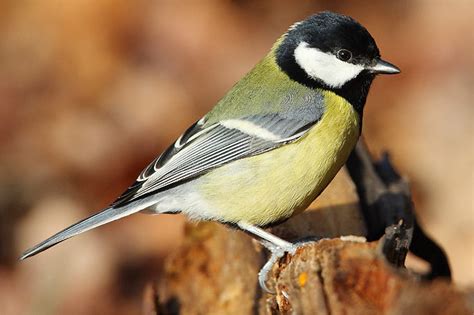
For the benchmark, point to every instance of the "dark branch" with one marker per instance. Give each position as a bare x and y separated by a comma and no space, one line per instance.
389,212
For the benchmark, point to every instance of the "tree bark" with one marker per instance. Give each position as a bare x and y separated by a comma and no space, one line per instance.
215,270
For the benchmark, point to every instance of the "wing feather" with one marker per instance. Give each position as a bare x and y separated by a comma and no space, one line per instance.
201,149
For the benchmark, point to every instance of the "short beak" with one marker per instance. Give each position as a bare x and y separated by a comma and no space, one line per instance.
383,67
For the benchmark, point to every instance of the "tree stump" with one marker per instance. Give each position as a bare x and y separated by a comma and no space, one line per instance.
215,270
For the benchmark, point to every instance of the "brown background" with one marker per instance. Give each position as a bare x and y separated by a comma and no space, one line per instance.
91,91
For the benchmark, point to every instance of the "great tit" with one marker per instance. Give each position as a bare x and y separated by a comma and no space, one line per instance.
271,145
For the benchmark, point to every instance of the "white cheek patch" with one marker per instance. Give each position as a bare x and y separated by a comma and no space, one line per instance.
325,66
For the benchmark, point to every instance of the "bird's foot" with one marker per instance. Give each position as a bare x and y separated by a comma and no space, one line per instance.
277,252
277,247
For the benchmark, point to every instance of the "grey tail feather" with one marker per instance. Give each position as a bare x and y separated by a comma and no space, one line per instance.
105,216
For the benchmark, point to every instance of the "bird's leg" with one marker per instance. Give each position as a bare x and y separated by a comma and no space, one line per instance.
277,247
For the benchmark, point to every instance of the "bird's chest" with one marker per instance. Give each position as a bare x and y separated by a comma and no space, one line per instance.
275,185
318,157
308,165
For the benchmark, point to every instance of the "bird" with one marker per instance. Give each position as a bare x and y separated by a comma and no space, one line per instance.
270,146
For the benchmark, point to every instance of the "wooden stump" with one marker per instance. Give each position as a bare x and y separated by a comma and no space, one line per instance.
215,270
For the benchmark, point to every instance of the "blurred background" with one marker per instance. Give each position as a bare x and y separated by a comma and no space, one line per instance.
91,91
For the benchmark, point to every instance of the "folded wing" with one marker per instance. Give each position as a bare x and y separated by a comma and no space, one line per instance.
201,149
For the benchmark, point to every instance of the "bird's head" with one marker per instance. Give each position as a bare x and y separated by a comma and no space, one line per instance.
333,52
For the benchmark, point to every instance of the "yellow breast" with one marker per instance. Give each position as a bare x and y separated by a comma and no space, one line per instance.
275,185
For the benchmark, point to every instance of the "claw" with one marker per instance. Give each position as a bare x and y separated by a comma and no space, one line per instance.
277,246
263,273
276,254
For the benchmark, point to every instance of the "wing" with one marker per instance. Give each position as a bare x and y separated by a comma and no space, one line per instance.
201,149
197,151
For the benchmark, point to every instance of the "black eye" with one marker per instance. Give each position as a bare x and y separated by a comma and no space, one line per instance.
344,55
